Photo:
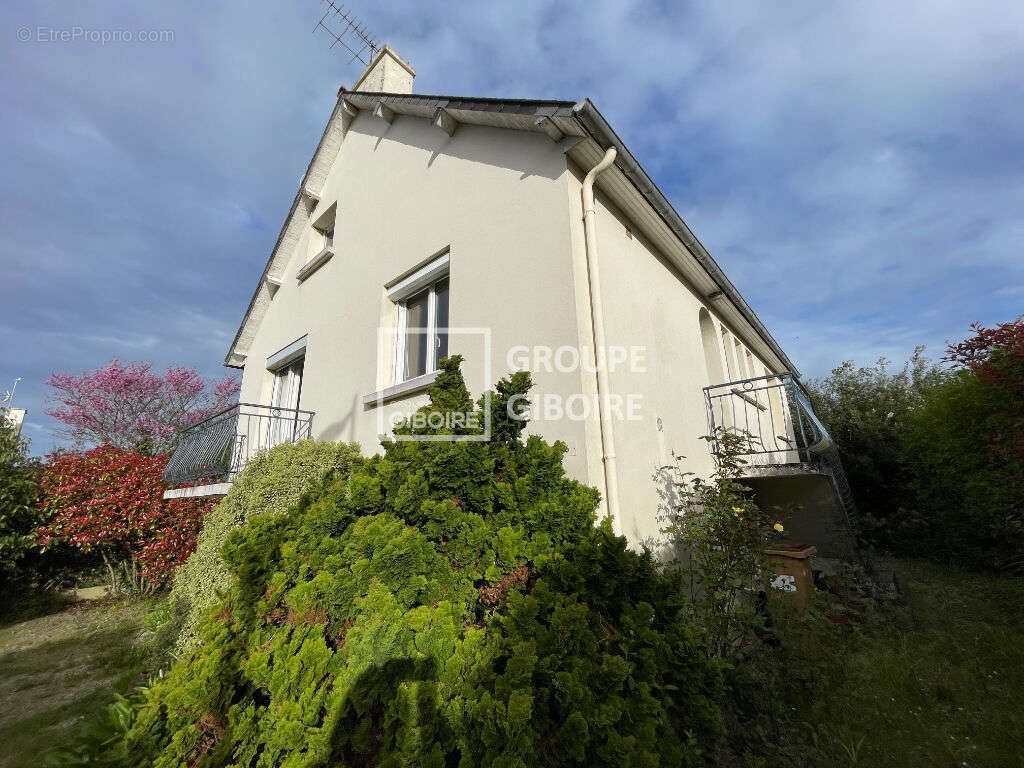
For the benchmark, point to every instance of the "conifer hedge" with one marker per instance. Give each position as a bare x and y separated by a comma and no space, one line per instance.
448,604
271,482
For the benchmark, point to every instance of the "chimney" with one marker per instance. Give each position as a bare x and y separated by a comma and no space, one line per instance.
387,73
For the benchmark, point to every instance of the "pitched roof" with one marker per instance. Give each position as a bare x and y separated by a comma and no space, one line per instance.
585,136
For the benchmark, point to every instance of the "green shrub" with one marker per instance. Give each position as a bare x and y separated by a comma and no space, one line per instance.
19,515
451,604
970,514
722,536
869,411
934,456
271,482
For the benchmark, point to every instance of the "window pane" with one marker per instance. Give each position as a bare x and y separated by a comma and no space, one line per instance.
288,386
295,383
416,335
441,289
280,385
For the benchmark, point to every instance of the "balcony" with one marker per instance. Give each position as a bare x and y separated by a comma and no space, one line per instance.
782,434
774,416
211,453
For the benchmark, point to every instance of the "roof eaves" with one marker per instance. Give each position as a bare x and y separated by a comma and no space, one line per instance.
280,236
594,123
470,102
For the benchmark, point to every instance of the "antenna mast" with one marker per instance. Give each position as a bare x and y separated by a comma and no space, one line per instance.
7,400
338,22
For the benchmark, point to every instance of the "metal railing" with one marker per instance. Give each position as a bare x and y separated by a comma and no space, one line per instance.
217,448
774,415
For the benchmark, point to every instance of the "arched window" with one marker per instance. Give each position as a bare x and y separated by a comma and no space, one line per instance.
730,359
709,340
753,367
742,369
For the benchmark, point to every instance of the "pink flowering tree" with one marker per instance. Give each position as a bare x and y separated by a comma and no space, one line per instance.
131,407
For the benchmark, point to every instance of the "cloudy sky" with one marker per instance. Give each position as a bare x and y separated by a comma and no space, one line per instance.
857,168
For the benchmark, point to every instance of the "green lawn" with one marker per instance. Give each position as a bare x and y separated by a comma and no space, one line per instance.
933,682
937,681
59,668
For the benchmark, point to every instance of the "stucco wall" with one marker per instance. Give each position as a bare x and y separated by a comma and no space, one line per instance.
509,210
647,303
405,191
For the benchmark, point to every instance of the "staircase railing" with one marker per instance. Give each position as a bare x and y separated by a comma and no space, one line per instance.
217,448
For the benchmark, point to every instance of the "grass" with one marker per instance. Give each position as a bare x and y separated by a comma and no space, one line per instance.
58,669
935,681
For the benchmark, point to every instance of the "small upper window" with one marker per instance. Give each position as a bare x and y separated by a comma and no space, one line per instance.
323,232
321,243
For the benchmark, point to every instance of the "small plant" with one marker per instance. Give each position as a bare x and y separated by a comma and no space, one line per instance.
720,535
100,739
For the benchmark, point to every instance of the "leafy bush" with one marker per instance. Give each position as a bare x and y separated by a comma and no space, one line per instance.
868,412
967,447
271,482
722,535
110,500
19,515
996,357
99,740
451,603
935,457
968,513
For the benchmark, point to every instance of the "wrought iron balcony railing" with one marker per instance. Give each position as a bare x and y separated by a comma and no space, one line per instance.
775,417
217,448
773,414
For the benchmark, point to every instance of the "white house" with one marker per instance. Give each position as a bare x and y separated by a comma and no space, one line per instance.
520,234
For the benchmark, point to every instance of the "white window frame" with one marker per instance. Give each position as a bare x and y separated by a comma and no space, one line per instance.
426,277
324,223
285,387
327,238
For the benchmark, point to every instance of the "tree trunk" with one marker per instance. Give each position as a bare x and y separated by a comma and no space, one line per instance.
111,571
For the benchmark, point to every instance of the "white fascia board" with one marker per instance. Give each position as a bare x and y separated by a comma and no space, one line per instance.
319,165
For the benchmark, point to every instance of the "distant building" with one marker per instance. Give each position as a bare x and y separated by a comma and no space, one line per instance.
15,417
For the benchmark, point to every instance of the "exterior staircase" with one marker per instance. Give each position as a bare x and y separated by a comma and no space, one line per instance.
792,461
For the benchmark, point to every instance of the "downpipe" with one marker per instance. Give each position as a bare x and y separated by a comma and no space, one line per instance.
611,479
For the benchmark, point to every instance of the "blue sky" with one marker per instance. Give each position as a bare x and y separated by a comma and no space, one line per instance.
857,168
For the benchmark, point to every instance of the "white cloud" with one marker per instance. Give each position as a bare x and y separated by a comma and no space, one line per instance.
857,167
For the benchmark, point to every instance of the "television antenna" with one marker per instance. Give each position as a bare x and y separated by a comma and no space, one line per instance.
8,397
340,24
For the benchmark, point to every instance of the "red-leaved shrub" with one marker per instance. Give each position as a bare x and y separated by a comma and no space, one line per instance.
996,357
110,500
